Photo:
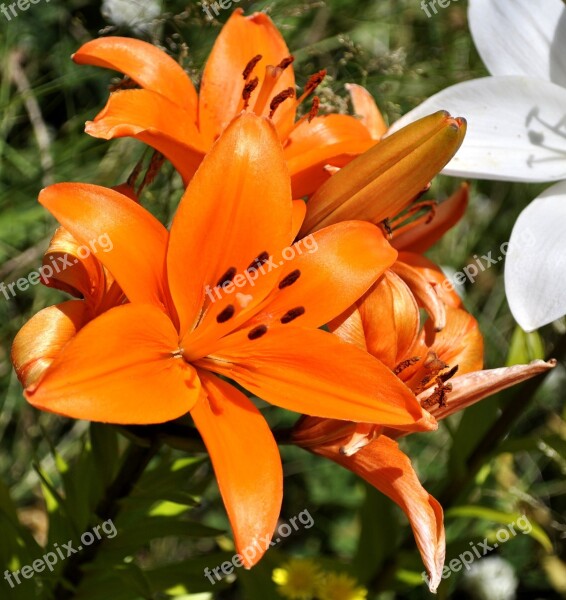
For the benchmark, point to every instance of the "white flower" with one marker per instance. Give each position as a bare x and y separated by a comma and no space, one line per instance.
517,132
491,578
135,14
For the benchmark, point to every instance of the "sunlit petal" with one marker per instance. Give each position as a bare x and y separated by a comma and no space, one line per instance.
235,433
515,132
535,265
534,43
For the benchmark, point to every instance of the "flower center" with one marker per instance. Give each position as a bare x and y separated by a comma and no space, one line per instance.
265,96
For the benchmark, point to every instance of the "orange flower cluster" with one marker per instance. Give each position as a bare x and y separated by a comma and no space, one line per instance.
143,343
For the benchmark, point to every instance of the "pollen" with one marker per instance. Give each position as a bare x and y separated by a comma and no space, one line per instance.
251,66
279,99
248,90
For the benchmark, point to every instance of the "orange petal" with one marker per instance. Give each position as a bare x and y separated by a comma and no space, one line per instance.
313,372
72,268
120,368
420,238
337,265
443,287
237,206
366,109
473,387
236,433
382,464
424,292
328,140
299,212
40,340
146,64
154,120
385,179
241,39
389,318
459,343
138,241
349,327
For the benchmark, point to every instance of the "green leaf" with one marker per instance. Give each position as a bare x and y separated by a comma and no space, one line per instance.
503,518
525,347
378,534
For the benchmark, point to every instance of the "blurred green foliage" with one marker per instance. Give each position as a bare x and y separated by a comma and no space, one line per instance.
54,472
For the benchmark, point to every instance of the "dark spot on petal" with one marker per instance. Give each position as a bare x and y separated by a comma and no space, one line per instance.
226,314
258,261
227,277
257,332
292,314
289,279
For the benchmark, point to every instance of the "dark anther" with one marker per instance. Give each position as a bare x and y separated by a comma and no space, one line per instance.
258,261
449,374
251,66
405,364
314,109
313,82
226,314
248,89
289,279
286,62
280,98
227,277
257,332
292,314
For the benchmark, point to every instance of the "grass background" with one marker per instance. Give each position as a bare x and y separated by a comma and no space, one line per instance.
402,57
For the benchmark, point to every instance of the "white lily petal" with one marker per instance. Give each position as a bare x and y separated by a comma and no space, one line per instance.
516,128
535,265
521,37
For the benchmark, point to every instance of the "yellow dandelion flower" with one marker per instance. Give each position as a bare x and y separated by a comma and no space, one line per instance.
298,579
339,586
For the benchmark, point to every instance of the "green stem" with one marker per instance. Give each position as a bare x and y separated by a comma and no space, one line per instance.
134,464
512,411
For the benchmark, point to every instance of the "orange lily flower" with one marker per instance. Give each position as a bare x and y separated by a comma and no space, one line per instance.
194,315
250,67
444,371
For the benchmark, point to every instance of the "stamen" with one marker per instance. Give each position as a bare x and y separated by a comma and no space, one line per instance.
292,314
289,279
313,82
438,396
227,277
406,364
155,164
257,332
248,89
279,99
258,261
387,227
286,62
449,374
314,109
127,83
251,66
226,314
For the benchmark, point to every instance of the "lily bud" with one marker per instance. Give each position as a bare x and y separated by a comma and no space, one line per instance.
386,178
